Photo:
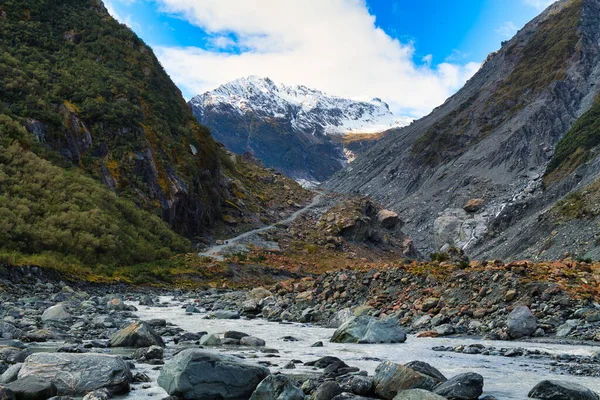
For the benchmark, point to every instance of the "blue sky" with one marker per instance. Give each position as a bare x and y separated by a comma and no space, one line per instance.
411,54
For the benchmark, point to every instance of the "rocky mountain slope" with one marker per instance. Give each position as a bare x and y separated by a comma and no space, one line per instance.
300,131
83,96
519,137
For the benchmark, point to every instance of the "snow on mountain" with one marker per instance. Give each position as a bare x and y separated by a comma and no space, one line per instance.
308,110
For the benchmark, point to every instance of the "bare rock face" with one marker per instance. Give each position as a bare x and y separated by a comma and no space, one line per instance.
360,220
493,140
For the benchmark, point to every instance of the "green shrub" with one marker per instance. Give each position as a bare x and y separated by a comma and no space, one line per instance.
63,216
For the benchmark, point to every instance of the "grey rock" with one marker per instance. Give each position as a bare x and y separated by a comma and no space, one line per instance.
521,322
11,373
150,353
96,395
138,334
234,335
417,394
327,391
467,386
565,329
226,314
277,387
32,388
78,374
427,369
210,340
57,313
340,318
366,329
196,374
561,390
361,385
252,341
115,303
391,378
9,331
13,355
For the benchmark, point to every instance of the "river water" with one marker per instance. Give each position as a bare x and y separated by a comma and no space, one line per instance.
505,378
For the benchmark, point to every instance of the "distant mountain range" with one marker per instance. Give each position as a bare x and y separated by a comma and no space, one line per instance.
508,167
305,133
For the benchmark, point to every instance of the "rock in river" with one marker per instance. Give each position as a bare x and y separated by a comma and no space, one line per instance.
418,394
277,387
32,388
138,334
78,374
561,390
391,378
367,329
197,374
467,386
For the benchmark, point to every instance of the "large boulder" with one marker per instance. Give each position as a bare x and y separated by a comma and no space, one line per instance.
138,334
366,329
78,374
417,394
521,322
391,378
561,390
32,388
467,386
57,313
277,387
197,374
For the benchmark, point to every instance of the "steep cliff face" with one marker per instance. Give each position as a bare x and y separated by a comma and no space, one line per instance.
89,89
494,140
300,131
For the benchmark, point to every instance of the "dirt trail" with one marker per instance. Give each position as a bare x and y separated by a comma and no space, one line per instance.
217,250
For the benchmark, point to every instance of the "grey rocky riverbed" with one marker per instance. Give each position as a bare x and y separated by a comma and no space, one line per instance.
100,341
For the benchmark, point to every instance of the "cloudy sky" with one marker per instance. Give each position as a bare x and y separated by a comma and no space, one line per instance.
411,54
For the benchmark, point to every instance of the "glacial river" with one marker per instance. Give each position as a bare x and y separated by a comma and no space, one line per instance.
505,378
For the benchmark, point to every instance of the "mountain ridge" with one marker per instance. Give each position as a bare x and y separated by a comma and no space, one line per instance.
292,128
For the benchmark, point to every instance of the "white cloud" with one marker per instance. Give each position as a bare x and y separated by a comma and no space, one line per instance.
539,4
331,45
507,30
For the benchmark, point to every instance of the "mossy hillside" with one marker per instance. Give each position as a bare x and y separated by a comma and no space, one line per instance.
541,61
75,69
575,148
583,204
63,219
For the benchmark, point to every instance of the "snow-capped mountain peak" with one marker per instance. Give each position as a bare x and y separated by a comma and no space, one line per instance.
307,109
